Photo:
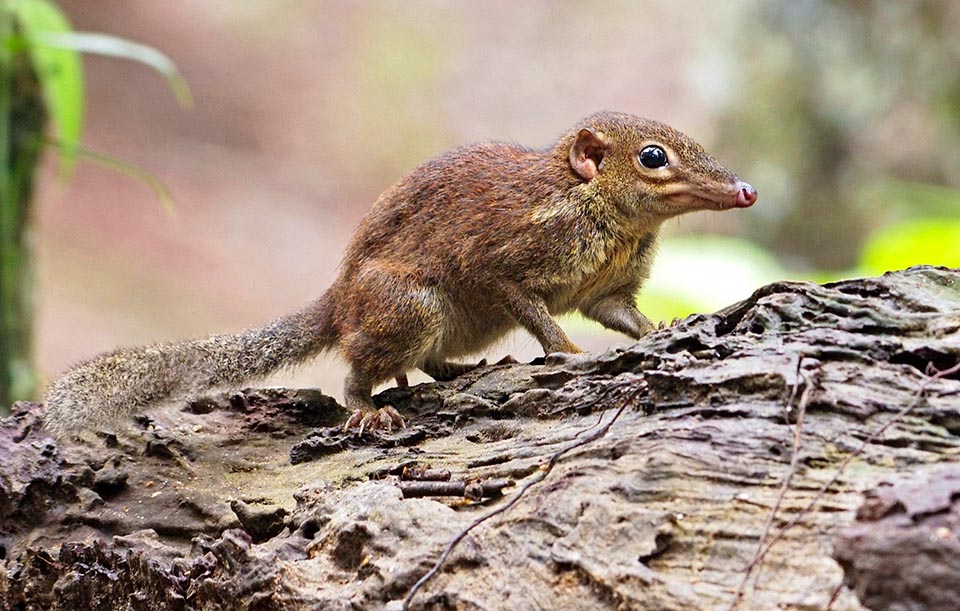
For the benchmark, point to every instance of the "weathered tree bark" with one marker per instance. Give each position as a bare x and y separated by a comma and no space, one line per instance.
248,502
903,551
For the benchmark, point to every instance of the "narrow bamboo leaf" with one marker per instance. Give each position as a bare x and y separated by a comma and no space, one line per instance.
59,70
113,46
127,169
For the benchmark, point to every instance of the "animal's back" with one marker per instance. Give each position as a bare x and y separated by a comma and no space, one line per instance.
447,217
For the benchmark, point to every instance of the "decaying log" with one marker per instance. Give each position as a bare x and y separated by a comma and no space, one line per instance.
257,500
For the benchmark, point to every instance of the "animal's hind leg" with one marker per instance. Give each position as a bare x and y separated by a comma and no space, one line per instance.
365,416
396,323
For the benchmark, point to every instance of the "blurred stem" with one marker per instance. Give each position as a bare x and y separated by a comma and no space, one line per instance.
22,118
7,252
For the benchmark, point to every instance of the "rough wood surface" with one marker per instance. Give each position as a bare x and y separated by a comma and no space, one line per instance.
257,501
903,552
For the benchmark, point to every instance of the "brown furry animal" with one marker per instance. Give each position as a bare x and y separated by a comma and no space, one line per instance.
459,252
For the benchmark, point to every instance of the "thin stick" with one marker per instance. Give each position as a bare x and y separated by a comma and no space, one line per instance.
516,498
834,596
419,488
843,465
794,459
915,401
609,390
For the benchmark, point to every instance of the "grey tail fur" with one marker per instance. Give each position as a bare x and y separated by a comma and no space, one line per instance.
127,381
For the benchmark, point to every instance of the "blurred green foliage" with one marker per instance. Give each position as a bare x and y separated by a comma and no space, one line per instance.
900,245
922,226
705,273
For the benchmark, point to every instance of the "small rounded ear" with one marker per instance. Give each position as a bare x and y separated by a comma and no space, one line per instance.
587,153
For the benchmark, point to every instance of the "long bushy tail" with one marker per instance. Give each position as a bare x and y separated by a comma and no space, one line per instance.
129,380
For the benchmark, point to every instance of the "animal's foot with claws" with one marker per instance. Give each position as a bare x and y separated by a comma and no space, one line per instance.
384,419
673,323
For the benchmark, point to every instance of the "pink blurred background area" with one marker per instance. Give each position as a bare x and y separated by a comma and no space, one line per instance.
304,112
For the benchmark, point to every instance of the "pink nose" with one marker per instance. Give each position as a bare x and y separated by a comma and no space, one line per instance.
746,196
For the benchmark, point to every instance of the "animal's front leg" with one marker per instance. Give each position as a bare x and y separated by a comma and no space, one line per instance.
619,313
531,312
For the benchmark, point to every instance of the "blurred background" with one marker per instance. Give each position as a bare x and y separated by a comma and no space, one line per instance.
844,115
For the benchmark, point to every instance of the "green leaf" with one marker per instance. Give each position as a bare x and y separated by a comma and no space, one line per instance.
129,169
60,72
126,168
923,241
113,46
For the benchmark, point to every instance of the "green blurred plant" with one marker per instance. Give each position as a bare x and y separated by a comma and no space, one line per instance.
920,225
41,83
921,241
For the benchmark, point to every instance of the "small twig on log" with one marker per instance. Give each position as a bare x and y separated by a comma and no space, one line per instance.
757,560
591,427
794,460
642,385
834,596
486,489
554,459
933,374
421,473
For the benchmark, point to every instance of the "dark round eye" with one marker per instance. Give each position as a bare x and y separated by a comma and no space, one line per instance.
653,157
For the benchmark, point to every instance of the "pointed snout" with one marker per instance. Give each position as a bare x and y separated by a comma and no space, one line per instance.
746,195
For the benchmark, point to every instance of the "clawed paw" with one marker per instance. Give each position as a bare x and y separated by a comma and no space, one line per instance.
384,419
673,323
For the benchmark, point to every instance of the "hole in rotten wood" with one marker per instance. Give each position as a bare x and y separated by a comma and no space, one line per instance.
949,421
661,542
922,359
309,529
